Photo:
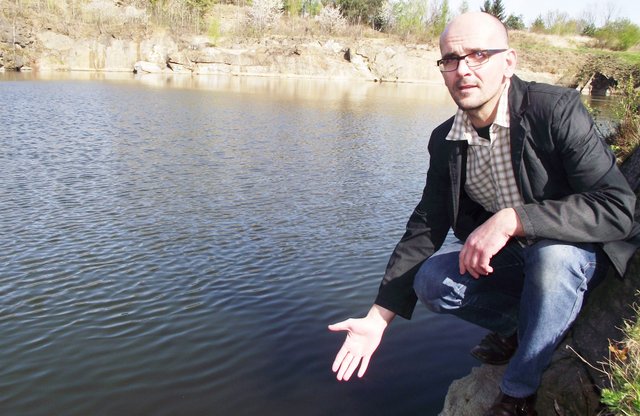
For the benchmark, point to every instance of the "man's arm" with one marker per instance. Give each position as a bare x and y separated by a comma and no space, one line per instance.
598,204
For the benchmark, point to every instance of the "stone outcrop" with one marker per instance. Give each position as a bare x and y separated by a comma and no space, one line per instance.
369,59
571,384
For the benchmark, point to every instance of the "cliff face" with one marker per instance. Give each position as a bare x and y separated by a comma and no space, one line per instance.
41,42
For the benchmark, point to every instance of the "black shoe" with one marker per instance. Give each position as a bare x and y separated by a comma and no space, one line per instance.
511,406
495,349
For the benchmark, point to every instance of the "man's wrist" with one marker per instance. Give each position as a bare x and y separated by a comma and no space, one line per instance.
381,314
511,222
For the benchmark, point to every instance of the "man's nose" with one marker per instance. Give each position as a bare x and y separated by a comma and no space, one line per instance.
463,66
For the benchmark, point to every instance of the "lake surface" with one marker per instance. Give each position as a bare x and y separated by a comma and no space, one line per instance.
179,247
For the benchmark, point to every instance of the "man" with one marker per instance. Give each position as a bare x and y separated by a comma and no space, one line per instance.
536,201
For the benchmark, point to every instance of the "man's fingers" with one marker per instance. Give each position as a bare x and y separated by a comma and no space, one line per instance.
340,326
339,358
344,366
351,368
364,365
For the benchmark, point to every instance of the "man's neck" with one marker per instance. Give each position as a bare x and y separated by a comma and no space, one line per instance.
486,114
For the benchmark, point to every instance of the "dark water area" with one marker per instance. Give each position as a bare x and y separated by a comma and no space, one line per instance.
179,247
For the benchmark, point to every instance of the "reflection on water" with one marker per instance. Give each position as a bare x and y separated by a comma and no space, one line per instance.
180,250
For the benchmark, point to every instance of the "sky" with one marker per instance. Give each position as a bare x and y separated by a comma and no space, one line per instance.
530,9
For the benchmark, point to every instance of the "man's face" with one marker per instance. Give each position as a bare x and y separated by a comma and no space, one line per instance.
476,89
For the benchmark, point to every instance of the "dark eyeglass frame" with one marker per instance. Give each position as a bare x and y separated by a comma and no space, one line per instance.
488,52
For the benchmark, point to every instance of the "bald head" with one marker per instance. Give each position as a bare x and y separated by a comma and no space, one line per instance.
473,25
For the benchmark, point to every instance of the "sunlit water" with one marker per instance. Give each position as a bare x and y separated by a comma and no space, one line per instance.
178,248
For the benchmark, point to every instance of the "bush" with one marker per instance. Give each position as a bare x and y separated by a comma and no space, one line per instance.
331,20
360,11
623,397
311,7
619,35
538,25
263,13
410,17
514,22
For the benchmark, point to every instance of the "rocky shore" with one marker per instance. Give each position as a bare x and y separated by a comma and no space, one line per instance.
29,48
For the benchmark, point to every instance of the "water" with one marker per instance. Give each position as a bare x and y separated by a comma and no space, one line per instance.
179,247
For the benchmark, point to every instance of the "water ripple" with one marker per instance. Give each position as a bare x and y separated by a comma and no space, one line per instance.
181,251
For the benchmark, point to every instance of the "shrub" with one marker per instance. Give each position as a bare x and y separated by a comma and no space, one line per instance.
293,7
311,7
618,35
264,13
514,22
360,11
439,17
407,16
626,136
331,20
623,397
538,25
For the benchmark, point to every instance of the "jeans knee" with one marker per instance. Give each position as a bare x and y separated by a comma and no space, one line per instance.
560,266
438,293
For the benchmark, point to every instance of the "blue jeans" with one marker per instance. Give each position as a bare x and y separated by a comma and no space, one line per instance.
536,290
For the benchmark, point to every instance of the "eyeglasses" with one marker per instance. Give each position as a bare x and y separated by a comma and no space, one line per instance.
475,58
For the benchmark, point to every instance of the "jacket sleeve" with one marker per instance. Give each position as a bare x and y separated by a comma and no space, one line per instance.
425,232
598,204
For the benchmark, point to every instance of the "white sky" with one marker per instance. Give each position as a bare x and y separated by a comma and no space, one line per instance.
530,9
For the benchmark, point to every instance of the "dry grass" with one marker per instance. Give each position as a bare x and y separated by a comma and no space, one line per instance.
623,398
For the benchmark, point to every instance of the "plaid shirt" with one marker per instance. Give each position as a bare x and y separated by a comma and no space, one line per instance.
490,178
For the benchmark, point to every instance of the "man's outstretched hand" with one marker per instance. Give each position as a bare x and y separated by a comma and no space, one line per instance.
363,337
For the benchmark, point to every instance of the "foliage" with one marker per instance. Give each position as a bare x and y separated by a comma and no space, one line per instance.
408,17
514,22
331,20
439,17
214,30
559,23
311,7
538,25
180,14
360,11
589,29
623,397
618,35
293,7
626,136
264,13
464,7
495,8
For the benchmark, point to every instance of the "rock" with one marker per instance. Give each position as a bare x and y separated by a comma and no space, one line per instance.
147,67
476,391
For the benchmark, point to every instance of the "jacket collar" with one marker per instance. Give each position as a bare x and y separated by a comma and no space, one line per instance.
518,104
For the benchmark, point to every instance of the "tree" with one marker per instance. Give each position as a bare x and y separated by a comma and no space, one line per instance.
538,25
514,22
439,16
358,11
495,8
618,35
464,7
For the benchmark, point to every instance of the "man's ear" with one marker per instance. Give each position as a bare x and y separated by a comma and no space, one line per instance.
511,59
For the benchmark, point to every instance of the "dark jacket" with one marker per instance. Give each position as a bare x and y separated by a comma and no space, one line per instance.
567,176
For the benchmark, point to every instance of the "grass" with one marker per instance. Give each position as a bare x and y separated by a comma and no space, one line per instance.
623,397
